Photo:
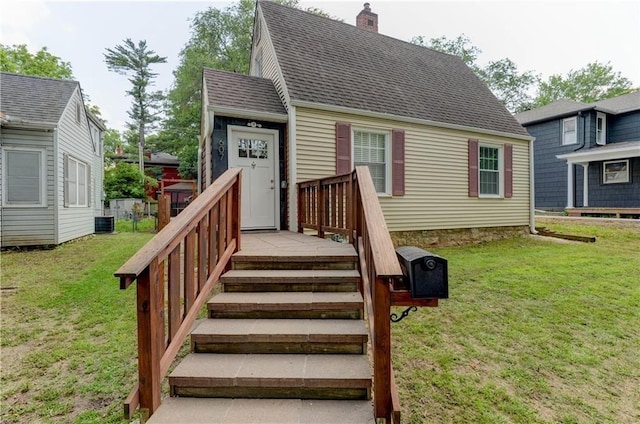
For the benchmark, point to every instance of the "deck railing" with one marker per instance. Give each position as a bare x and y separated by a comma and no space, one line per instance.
348,204
182,262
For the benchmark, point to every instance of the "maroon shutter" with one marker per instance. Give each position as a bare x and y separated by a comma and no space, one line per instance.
397,157
473,167
343,148
508,170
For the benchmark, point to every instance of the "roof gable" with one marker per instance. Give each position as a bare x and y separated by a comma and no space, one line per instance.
329,62
35,99
621,104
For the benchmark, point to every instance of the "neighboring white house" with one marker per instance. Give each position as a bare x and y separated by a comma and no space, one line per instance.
51,162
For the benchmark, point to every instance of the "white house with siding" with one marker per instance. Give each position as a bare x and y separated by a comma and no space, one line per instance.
324,96
51,162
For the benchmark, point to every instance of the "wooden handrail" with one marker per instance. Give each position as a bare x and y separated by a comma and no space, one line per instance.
353,196
200,242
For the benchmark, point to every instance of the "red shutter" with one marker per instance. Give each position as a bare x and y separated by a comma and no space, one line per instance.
473,167
343,148
508,170
397,157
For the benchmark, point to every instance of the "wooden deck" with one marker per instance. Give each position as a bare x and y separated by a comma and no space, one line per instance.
616,212
283,244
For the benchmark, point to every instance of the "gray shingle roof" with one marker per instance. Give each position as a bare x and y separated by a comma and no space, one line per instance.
552,110
564,107
36,99
244,92
621,104
330,62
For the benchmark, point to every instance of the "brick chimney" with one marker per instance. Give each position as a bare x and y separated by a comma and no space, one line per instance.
366,19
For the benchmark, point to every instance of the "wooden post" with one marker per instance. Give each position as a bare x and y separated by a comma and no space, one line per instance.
382,348
302,204
164,211
320,207
237,210
150,299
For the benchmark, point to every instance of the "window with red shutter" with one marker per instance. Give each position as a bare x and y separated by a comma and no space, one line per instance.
473,167
397,157
343,148
508,170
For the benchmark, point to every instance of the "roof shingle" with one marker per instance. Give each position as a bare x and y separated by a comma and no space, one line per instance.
329,62
237,91
36,99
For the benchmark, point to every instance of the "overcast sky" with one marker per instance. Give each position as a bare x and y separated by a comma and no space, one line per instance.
547,37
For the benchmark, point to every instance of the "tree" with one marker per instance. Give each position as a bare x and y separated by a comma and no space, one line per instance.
220,39
596,81
18,60
135,62
125,180
501,76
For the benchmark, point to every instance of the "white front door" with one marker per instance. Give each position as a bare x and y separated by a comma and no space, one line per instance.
255,151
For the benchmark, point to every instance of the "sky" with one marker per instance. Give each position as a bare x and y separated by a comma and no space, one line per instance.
548,37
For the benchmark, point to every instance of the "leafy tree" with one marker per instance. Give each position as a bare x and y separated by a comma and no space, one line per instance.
125,180
596,81
18,60
460,47
220,39
134,61
501,76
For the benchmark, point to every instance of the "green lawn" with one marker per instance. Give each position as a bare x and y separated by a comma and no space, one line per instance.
534,331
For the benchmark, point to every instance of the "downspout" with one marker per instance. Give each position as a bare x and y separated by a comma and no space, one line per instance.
532,190
293,175
56,186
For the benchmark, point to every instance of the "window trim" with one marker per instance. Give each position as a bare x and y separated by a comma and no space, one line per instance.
388,186
604,172
87,181
42,153
564,133
603,116
500,150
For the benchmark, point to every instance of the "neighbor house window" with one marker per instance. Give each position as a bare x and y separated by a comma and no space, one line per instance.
24,177
614,172
601,129
489,170
569,132
372,149
77,177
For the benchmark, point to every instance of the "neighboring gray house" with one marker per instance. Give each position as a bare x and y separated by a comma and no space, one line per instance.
51,162
586,155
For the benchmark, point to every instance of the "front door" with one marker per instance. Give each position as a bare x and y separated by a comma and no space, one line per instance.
255,151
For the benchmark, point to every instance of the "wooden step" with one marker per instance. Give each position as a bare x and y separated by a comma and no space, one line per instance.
279,336
290,280
311,260
263,411
314,376
300,305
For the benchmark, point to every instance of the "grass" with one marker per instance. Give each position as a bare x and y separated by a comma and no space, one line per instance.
534,331
68,333
142,225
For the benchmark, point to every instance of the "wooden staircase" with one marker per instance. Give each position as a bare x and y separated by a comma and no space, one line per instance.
285,341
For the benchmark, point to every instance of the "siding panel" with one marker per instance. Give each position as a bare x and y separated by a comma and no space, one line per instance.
75,140
29,226
436,186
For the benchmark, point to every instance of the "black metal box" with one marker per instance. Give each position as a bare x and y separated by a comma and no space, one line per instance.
104,224
425,273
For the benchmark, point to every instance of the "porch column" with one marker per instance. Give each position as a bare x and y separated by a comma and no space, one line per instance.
585,184
569,184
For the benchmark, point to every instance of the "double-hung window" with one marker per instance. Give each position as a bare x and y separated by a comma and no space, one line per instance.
490,170
615,172
371,148
569,131
24,177
601,129
77,177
